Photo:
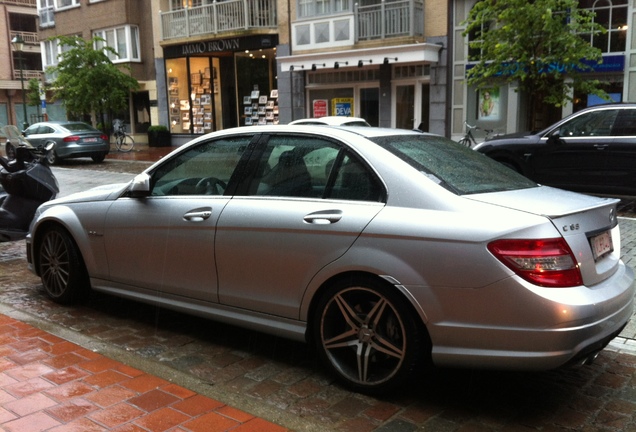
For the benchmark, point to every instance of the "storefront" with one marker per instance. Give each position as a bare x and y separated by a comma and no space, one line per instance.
222,83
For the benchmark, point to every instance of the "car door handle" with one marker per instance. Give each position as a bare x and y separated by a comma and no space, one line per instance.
600,146
323,217
198,215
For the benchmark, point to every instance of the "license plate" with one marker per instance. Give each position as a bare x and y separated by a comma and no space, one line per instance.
90,139
601,245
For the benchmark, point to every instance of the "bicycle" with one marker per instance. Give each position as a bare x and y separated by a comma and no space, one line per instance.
123,141
469,140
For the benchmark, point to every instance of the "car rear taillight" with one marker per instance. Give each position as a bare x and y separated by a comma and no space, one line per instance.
71,138
543,262
104,137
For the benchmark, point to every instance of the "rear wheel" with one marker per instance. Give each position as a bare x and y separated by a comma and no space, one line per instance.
61,267
125,143
369,335
99,158
465,142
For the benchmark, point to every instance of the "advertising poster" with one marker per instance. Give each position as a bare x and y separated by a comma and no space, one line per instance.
320,108
342,107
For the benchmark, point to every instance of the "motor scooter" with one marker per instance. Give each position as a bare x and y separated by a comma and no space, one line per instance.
27,181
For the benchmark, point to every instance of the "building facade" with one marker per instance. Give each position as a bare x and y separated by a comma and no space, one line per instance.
126,26
509,113
19,18
241,62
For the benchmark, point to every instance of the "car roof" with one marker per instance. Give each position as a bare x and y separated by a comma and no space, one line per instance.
329,120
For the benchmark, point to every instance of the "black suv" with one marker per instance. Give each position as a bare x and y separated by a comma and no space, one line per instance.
592,150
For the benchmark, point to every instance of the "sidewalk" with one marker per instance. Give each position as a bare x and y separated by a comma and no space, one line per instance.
49,384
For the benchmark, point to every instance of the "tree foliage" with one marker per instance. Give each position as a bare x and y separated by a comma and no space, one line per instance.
87,81
543,45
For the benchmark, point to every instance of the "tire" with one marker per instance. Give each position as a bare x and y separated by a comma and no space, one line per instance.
52,158
9,150
125,143
99,158
61,267
368,335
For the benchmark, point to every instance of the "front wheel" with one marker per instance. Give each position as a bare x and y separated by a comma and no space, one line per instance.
125,143
61,267
368,335
465,142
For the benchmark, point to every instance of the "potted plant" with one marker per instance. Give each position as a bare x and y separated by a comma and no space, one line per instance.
159,136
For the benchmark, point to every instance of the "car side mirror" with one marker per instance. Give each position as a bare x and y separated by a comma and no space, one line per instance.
554,139
140,186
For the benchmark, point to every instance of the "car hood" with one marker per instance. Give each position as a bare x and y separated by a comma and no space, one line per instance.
99,193
544,201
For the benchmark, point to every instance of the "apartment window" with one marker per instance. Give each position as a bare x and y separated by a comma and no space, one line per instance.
46,10
50,52
61,4
180,4
611,14
310,8
124,40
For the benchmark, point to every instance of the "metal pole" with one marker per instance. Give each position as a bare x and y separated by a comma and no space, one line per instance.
18,46
25,123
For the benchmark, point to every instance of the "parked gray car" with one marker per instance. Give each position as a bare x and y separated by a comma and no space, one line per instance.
72,140
389,250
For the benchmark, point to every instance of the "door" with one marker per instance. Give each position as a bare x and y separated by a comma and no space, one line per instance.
165,242
578,159
307,204
621,165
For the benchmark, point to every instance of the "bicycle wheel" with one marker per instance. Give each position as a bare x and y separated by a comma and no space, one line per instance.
125,143
465,142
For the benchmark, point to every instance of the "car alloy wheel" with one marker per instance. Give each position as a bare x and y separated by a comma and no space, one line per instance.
61,267
369,336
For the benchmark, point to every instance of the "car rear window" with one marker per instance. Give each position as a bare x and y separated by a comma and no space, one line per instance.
78,127
453,166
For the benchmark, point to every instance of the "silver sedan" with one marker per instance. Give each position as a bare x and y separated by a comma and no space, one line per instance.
389,250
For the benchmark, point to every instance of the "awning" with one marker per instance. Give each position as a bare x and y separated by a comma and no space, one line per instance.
412,53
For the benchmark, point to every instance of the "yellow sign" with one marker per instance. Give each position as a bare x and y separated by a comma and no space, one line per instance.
342,107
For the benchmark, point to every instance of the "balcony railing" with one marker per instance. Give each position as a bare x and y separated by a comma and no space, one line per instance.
28,75
227,16
31,3
30,38
389,19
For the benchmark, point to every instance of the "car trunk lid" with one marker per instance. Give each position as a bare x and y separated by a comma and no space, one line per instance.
588,224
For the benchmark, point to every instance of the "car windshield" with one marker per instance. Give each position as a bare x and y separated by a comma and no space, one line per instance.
78,127
452,166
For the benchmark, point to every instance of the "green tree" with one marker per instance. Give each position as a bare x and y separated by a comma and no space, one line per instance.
33,93
87,81
543,45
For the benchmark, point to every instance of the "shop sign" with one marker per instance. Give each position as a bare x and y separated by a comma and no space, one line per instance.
342,107
320,108
220,45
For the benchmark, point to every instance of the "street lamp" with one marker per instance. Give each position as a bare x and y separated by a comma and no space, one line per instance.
18,46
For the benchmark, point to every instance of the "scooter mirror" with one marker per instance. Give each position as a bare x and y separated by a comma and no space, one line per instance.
49,146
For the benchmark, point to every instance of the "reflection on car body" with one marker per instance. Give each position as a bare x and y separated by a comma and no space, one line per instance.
593,150
387,249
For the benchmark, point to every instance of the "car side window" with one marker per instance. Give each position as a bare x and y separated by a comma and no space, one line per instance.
625,124
595,123
202,170
297,166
